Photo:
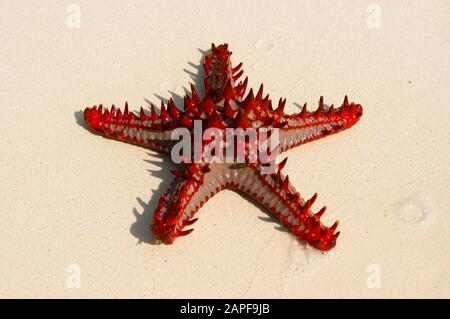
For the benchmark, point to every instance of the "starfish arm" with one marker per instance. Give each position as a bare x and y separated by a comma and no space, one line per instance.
189,191
153,130
220,77
308,126
147,129
278,195
192,188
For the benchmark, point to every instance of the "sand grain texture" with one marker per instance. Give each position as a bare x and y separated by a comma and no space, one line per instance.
68,197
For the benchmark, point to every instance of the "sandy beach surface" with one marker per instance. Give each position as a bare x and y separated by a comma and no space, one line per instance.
75,207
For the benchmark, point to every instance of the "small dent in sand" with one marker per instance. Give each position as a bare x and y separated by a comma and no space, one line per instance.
413,213
298,258
413,210
264,45
257,65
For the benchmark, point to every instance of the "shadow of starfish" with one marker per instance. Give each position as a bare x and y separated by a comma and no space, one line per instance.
140,228
79,118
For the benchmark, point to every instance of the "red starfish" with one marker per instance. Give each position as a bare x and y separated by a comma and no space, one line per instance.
223,105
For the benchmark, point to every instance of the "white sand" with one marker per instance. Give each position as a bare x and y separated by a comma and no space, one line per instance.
70,197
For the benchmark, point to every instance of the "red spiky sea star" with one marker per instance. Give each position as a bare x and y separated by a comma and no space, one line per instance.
223,105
